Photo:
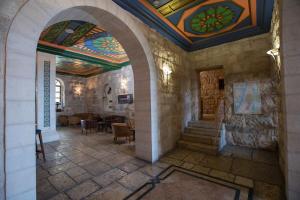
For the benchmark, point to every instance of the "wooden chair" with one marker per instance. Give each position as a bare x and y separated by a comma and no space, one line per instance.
38,133
131,125
88,125
121,130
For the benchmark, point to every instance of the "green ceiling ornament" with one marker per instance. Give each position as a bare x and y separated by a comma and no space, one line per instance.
212,19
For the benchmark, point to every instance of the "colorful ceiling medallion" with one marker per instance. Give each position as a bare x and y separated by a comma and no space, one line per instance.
198,24
211,19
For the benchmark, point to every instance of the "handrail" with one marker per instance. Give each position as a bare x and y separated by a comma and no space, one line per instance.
219,117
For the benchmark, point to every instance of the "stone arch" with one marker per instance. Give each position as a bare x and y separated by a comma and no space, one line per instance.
20,66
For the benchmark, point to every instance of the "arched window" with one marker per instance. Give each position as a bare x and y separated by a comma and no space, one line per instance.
59,93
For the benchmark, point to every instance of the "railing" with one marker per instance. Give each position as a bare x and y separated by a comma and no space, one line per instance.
219,118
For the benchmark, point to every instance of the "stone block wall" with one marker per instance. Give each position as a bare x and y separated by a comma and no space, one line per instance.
174,92
290,52
92,98
72,103
210,92
121,81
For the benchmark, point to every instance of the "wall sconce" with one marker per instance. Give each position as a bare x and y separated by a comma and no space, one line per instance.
166,73
274,53
124,84
78,89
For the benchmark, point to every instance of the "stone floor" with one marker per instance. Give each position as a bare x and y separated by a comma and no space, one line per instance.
93,167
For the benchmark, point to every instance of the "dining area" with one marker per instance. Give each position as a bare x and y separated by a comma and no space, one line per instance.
119,126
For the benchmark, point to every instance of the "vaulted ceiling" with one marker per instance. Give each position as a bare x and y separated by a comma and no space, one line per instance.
198,24
82,48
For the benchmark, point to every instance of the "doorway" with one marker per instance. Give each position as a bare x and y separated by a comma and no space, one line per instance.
211,86
30,20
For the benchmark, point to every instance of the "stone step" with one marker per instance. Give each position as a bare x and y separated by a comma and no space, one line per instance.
196,138
204,148
201,131
202,124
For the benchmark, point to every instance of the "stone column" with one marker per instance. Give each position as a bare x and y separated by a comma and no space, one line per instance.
45,96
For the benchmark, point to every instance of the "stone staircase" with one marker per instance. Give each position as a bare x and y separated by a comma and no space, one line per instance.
201,136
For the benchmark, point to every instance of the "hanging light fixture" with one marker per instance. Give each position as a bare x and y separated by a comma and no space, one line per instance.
156,2
70,31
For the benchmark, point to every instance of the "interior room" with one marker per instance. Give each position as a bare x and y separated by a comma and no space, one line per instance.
149,99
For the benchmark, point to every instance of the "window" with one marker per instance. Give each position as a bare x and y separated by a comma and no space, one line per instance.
58,93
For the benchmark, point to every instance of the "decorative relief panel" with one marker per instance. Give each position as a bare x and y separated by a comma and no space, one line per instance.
46,93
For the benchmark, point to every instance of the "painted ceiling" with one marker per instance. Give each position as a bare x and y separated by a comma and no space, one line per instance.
198,24
76,67
82,48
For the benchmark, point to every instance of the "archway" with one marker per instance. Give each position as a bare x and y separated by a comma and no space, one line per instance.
21,44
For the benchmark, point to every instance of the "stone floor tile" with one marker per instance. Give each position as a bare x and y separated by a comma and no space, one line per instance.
267,173
69,151
134,180
60,168
257,171
151,170
267,157
97,168
117,159
264,191
264,170
217,162
91,160
45,190
194,158
128,167
222,175
41,173
101,154
162,164
242,167
48,149
109,177
61,181
52,163
82,177
138,162
171,161
79,158
114,191
83,190
244,181
60,196
75,171
178,154
237,152
187,165
53,156
201,169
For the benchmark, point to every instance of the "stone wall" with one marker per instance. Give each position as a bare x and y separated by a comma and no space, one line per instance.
72,103
290,52
174,91
245,60
277,77
121,82
210,92
92,98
